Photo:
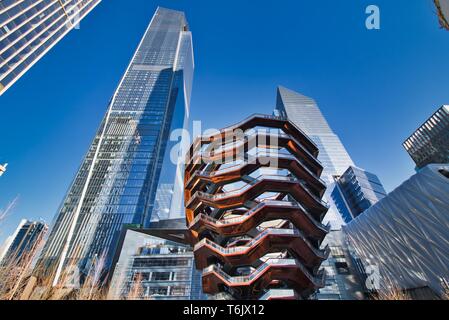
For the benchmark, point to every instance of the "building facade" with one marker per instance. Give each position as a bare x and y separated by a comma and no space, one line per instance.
154,268
405,235
30,28
355,191
345,278
130,156
306,115
24,242
430,142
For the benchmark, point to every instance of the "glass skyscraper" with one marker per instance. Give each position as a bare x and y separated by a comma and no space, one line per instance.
430,142
23,242
29,28
342,281
355,191
305,113
129,157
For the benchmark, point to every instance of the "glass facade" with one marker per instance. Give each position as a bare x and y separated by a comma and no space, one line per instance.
344,279
305,113
430,142
29,28
23,241
157,269
129,157
356,190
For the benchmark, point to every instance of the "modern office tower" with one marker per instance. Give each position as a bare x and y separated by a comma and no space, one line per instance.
405,235
129,157
150,267
162,203
254,210
305,114
430,142
355,191
30,28
24,242
3,169
442,7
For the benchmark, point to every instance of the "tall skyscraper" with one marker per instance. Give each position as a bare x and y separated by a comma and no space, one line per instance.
129,158
306,115
23,241
355,191
30,28
430,142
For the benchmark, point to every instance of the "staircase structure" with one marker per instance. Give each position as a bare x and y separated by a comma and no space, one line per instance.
254,208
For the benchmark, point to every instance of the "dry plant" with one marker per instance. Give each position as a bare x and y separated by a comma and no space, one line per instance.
393,294
16,269
4,213
443,20
15,274
391,291
69,286
445,285
136,291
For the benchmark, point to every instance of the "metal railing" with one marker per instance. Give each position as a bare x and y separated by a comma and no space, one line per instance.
323,254
317,281
254,210
259,179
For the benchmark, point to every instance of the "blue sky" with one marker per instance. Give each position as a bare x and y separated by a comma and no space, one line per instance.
374,87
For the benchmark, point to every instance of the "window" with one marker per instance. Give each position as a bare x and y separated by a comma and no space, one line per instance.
160,276
342,267
178,291
161,291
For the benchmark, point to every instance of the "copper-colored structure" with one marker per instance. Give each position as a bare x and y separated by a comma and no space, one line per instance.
254,210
